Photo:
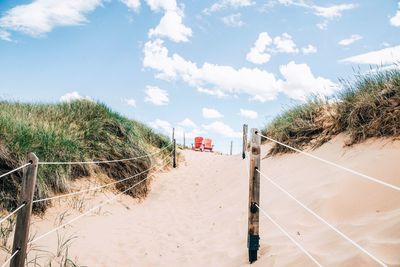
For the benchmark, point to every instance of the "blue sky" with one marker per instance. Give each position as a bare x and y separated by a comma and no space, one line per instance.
203,67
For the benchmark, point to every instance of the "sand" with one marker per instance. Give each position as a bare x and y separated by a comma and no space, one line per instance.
196,215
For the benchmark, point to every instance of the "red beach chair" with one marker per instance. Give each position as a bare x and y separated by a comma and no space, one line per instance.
198,144
208,145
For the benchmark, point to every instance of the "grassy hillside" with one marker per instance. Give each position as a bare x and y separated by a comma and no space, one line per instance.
367,107
77,131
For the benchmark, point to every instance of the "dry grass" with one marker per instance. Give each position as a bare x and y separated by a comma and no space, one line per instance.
367,107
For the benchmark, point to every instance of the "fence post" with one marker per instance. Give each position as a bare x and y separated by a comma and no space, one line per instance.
174,154
184,141
231,148
245,127
21,234
253,238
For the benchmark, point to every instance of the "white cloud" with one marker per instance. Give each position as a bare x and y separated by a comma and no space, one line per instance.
156,96
300,82
68,97
386,56
247,113
188,123
129,101
171,24
217,93
310,49
260,85
233,20
327,12
348,41
166,128
5,36
42,16
221,4
132,4
257,53
163,125
222,129
395,20
285,44
210,113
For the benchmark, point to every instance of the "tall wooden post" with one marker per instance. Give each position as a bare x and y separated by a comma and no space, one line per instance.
184,141
253,238
231,148
245,127
174,154
24,214
173,134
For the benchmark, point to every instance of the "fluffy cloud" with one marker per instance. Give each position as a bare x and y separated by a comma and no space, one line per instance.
132,4
188,123
261,85
156,96
327,12
284,44
162,125
217,93
310,49
386,56
395,20
221,4
264,45
166,128
68,97
348,41
257,53
129,101
222,129
233,20
300,82
247,113
5,36
210,113
42,16
171,24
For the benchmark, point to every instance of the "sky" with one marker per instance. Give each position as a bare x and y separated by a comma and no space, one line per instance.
203,67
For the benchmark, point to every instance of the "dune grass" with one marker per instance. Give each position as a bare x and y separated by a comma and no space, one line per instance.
76,131
367,107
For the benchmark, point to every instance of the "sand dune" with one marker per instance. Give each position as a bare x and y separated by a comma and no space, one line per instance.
196,215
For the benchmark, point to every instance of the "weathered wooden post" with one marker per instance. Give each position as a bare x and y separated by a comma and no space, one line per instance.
184,141
174,154
21,234
173,134
245,127
253,238
231,148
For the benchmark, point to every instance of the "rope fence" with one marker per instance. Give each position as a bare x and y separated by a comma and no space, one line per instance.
254,197
17,169
24,211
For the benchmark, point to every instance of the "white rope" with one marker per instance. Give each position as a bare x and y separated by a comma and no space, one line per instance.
21,167
94,188
288,235
10,258
90,210
102,161
397,188
324,221
12,213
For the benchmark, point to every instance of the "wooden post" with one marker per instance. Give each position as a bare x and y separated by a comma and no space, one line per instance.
245,127
253,238
174,155
24,215
184,141
231,148
173,134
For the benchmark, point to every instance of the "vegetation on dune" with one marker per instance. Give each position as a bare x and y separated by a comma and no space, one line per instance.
367,107
76,131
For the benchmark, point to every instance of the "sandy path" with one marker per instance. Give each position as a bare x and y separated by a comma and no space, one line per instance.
196,215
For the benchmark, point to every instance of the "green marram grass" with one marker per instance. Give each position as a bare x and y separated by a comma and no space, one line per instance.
367,107
75,131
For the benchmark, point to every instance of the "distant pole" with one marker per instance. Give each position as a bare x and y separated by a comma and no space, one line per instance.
253,238
231,148
245,127
184,141
173,134
21,234
174,155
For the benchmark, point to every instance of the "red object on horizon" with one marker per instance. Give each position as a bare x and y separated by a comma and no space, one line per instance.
202,144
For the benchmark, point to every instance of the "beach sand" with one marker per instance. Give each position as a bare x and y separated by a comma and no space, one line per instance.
196,215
